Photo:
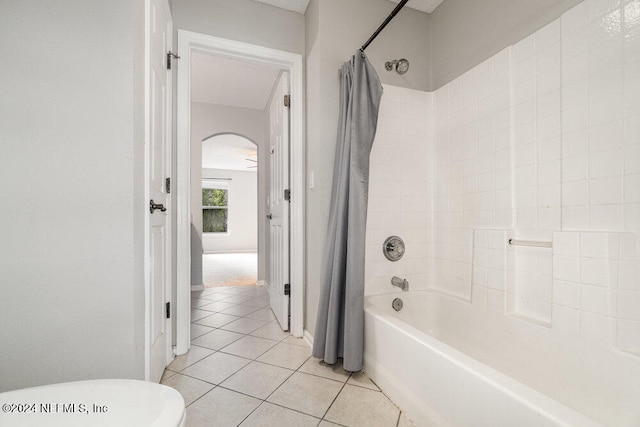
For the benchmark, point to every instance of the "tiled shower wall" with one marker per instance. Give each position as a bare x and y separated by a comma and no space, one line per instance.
399,199
540,140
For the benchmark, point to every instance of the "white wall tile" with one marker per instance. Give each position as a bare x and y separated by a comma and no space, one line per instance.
628,305
575,119
594,245
549,195
631,216
566,293
607,137
606,217
549,218
575,93
575,168
632,159
595,272
632,188
628,335
495,300
566,268
628,276
575,43
575,218
566,243
574,19
549,103
523,49
606,163
575,144
549,58
597,328
606,56
547,35
606,191
566,319
575,193
597,8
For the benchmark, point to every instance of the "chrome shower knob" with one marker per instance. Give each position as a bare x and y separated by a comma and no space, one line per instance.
393,248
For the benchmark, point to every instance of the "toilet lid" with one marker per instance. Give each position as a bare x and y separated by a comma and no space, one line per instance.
95,403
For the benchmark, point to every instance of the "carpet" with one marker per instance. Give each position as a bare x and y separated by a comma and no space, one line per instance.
229,269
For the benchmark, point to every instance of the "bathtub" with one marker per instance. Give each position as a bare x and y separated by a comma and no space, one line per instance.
446,362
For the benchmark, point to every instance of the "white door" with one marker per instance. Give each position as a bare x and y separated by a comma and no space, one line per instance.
279,204
158,161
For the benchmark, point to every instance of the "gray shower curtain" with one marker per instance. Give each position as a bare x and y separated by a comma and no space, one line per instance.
340,322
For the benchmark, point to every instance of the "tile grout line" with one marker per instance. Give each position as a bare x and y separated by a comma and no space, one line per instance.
250,360
335,398
265,399
230,354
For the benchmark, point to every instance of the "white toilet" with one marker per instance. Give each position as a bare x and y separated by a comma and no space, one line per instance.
94,403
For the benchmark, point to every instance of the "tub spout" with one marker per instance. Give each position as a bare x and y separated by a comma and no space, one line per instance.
401,283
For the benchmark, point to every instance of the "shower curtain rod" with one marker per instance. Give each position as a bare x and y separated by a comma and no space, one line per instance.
384,24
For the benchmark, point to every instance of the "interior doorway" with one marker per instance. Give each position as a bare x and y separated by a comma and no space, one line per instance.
229,211
235,57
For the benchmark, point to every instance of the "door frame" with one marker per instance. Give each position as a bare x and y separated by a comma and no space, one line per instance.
189,42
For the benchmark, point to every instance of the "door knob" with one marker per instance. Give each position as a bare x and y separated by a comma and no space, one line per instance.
269,216
154,206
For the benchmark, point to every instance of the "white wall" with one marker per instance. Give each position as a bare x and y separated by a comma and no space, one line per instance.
71,257
242,226
210,119
242,20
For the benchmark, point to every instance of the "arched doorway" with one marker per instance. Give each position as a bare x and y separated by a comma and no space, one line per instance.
228,217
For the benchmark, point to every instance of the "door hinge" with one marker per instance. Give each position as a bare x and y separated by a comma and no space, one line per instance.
287,100
167,184
170,56
168,310
287,289
287,195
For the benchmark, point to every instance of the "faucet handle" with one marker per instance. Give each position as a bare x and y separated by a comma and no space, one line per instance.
393,248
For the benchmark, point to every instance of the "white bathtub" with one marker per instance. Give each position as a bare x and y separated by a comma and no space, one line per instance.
446,362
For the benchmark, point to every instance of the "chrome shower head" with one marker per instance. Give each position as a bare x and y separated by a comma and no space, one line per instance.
402,65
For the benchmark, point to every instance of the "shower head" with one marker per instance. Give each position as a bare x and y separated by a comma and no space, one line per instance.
402,65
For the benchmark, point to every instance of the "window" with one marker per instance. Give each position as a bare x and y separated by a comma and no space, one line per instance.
214,210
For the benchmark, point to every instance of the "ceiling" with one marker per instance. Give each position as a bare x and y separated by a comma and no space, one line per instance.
295,5
223,81
230,152
233,83
423,5
300,6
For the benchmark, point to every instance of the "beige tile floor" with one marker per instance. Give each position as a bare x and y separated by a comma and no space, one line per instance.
242,369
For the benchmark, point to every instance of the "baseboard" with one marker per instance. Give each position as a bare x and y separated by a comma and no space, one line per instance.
306,335
195,288
262,283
